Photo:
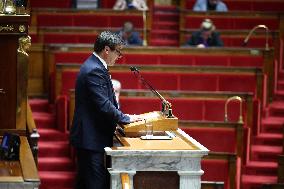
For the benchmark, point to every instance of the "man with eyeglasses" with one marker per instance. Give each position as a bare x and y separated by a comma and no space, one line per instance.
96,113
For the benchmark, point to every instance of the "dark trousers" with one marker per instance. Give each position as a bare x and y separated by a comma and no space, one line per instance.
91,170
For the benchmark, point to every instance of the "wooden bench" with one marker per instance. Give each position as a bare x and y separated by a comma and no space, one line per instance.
207,108
177,77
73,35
228,166
58,53
85,18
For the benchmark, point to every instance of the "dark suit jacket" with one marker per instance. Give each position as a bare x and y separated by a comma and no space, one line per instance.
213,41
96,112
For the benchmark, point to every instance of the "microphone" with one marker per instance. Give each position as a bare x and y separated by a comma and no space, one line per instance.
133,68
252,31
166,106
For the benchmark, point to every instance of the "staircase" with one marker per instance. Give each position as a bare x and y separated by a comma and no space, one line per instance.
165,26
56,168
268,144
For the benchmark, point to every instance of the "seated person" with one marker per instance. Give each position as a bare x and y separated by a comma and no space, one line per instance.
117,88
206,36
130,36
210,5
130,4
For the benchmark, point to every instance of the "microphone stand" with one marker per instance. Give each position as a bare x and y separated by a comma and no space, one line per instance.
166,106
251,32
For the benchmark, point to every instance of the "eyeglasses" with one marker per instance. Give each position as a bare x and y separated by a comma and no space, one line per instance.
119,53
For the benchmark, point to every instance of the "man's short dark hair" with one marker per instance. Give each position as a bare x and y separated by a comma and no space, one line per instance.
107,38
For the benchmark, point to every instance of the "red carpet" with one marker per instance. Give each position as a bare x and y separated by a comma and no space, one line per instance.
56,168
267,145
165,26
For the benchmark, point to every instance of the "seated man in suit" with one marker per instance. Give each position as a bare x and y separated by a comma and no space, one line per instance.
96,113
130,36
207,36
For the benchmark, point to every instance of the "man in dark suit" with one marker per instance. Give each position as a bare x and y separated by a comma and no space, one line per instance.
96,113
207,36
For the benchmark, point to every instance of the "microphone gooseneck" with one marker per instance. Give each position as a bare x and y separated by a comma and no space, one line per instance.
166,106
245,42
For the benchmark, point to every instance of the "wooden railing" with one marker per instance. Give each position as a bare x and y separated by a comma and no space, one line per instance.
32,134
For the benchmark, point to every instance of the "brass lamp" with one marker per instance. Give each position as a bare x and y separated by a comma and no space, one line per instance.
226,108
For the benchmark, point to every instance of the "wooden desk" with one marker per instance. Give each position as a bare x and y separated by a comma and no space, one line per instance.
182,154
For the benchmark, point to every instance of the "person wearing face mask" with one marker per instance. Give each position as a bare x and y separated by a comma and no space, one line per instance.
207,36
96,113
210,5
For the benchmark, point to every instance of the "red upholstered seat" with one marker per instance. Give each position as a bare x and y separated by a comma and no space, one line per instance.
215,139
188,109
54,20
68,81
209,166
212,60
69,38
163,59
74,57
90,20
247,61
170,59
198,82
140,59
237,83
164,81
139,105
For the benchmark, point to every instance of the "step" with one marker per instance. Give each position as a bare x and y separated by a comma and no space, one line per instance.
272,124
55,164
53,149
279,95
276,108
39,105
257,180
280,85
48,134
60,179
44,120
166,17
164,35
268,139
261,168
265,152
164,25
281,75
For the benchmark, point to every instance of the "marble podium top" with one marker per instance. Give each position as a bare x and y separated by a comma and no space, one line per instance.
180,145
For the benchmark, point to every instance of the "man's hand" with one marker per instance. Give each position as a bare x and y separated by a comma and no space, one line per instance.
134,118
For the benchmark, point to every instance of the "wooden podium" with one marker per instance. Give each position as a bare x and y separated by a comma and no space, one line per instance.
169,163
13,100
